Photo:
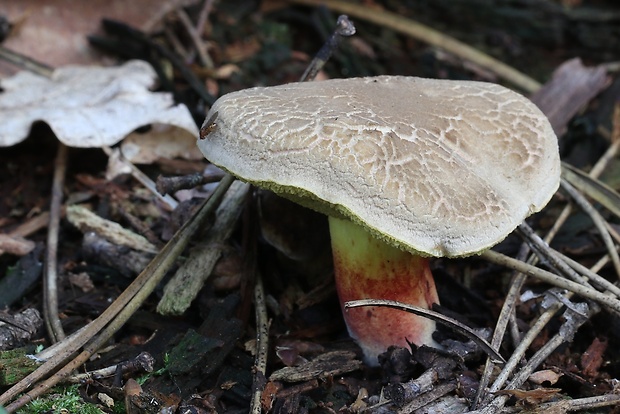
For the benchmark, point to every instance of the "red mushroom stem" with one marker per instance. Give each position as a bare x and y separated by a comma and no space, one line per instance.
368,268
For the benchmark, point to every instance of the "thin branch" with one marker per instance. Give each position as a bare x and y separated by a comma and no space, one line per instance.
144,179
518,279
262,346
555,280
435,316
50,278
344,27
203,55
598,221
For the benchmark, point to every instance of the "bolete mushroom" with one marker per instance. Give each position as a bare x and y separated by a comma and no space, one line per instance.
406,168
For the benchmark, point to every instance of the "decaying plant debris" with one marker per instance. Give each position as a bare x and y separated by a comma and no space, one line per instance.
230,292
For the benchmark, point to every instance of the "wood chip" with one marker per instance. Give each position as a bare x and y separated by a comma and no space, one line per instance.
328,364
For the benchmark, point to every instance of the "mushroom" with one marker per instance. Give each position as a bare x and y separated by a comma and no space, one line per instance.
406,168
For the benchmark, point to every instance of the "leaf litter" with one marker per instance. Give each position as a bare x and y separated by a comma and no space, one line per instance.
584,367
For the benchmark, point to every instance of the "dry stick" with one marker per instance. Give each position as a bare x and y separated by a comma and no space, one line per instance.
204,15
518,279
344,27
435,316
262,345
577,404
25,62
144,179
599,222
118,312
170,185
194,35
568,329
561,261
524,345
175,43
529,337
430,36
552,279
50,278
543,250
566,333
425,399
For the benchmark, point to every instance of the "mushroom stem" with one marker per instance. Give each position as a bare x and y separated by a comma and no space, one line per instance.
368,268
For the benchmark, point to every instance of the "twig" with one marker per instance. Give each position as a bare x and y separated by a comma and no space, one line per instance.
595,172
144,362
344,27
579,404
50,278
144,179
435,316
598,221
118,312
262,346
518,279
573,321
25,62
430,36
424,399
194,35
548,254
170,185
519,352
204,15
552,279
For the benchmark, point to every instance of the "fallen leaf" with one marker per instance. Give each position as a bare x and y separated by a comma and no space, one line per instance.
532,397
87,106
592,358
572,86
545,375
162,141
15,245
55,32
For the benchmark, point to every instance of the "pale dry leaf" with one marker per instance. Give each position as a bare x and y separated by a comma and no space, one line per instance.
162,141
87,106
55,32
545,375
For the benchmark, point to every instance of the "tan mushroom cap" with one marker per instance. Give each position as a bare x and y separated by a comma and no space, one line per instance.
437,167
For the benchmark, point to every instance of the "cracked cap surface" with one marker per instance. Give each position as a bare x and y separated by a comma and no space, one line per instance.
437,167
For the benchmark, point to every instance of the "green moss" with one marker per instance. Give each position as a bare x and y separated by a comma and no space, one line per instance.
65,400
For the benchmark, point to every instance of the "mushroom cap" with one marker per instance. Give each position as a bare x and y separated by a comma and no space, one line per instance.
436,167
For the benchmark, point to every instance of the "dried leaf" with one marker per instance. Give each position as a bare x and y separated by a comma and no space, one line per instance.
162,141
15,245
546,375
592,359
55,32
87,106
532,397
573,85
269,395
